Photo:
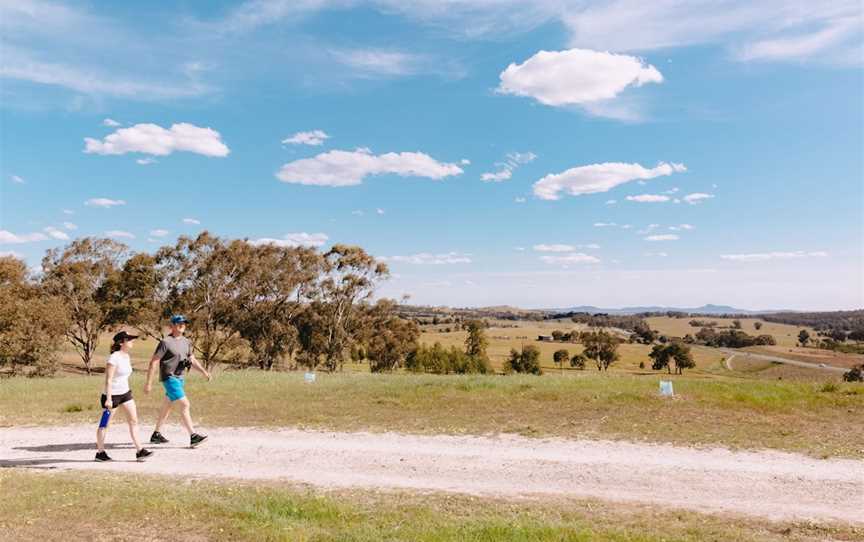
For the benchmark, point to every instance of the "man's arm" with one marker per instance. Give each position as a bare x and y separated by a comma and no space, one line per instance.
151,370
197,365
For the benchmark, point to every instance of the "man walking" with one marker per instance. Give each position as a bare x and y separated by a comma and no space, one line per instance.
174,356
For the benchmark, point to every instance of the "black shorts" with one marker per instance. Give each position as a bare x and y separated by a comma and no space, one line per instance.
116,400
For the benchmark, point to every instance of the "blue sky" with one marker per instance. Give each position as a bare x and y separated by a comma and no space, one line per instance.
536,154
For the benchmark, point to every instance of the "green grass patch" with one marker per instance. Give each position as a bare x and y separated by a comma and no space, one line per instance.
77,506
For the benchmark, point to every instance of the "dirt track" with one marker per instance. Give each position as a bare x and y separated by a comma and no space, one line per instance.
769,484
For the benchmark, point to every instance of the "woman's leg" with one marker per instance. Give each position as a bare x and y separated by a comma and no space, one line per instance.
132,419
100,433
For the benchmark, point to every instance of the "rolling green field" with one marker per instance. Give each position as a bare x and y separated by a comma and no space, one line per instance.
738,413
94,507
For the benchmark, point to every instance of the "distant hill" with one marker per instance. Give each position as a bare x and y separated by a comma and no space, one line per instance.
704,309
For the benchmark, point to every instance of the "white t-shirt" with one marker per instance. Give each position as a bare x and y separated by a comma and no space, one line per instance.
122,370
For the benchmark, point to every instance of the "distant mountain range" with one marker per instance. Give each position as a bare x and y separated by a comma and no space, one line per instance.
704,309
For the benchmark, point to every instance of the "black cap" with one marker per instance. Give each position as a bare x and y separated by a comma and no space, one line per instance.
123,336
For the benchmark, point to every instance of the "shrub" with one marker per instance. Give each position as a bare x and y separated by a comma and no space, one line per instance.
526,361
856,374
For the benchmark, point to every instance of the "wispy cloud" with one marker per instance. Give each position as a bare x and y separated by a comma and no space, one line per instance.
765,256
294,240
506,168
104,202
119,234
7,237
697,197
426,258
314,138
663,237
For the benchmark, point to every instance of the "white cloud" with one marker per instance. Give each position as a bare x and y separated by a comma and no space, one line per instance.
697,197
554,248
519,200
68,212
596,178
626,226
604,224
314,138
193,221
348,168
804,44
681,227
55,233
155,140
656,254
570,259
294,240
145,161
519,249
379,62
16,179
9,238
119,234
9,254
111,123
764,256
663,237
379,211
648,198
611,202
357,212
506,168
70,226
104,202
426,258
159,233
576,76
464,162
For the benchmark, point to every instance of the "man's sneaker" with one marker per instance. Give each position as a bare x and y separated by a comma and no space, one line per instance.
143,454
102,456
196,439
157,438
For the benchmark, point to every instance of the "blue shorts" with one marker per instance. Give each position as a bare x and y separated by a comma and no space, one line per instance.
174,388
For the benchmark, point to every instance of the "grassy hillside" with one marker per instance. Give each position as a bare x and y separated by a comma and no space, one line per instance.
784,334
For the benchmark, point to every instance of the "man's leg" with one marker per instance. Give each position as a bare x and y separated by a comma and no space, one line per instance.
185,414
163,414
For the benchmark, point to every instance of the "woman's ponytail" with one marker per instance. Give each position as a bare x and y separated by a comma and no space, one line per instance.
115,347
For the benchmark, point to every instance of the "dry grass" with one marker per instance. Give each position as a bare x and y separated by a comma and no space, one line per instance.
737,413
68,507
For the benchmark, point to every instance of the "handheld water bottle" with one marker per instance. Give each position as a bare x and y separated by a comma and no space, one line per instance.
103,422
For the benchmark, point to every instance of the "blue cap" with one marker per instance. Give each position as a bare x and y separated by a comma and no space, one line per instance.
178,319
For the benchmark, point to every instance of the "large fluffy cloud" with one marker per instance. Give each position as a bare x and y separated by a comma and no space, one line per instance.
596,178
293,240
576,76
158,141
347,168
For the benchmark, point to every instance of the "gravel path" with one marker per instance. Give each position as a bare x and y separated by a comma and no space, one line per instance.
769,484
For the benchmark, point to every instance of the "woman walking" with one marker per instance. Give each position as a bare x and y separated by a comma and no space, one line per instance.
117,393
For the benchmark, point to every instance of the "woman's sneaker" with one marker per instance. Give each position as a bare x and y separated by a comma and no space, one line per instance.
143,454
102,457
196,439
157,438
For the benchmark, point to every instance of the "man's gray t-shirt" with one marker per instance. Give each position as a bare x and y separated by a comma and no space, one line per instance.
172,353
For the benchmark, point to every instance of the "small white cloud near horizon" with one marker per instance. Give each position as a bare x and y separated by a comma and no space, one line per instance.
464,162
681,227
379,211
697,197
605,224
313,138
296,239
596,178
648,198
580,77
663,237
111,123
104,202
571,258
119,234
553,248
656,254
426,258
145,161
157,141
70,225
68,212
16,179
159,233
611,201
192,221
10,254
765,256
9,238
519,199
349,168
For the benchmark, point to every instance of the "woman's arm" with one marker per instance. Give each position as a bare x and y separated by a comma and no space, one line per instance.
110,368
